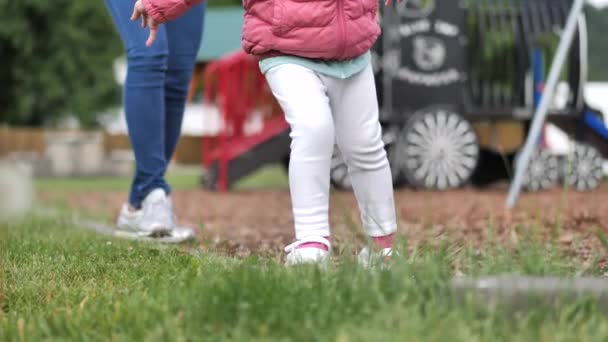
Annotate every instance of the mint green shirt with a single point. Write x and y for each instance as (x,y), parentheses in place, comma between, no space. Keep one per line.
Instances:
(337,69)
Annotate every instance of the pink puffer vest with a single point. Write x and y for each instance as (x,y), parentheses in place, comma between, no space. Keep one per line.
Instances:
(322,29)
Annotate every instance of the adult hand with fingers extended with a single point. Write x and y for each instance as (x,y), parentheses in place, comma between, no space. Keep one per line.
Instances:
(139,11)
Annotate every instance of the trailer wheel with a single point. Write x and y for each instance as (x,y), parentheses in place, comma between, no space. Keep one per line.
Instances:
(440,150)
(339,172)
(209,178)
(542,172)
(285,163)
(583,168)
(394,154)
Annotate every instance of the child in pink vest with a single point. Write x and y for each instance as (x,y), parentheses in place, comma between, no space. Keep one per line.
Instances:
(315,56)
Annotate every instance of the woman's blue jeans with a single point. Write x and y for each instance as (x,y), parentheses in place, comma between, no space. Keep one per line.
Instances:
(155,91)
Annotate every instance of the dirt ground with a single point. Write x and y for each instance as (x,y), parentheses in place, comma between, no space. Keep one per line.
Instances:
(254,221)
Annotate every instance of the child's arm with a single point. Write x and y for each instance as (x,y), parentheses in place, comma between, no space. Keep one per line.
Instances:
(155,12)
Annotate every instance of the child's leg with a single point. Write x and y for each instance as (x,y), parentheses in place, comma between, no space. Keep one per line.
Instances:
(303,97)
(359,136)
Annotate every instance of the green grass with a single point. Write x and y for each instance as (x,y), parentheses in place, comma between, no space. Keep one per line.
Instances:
(62,283)
(182,178)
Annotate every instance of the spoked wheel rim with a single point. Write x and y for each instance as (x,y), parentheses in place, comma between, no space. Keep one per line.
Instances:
(395,159)
(584,168)
(441,150)
(339,172)
(542,172)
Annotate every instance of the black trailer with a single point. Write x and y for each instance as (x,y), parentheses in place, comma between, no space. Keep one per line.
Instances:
(443,66)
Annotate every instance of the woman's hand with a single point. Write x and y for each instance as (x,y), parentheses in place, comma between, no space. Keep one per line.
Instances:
(139,10)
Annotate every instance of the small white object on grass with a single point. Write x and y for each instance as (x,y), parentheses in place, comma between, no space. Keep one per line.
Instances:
(16,190)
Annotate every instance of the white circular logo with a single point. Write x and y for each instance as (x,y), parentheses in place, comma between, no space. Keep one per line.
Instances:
(416,8)
(429,53)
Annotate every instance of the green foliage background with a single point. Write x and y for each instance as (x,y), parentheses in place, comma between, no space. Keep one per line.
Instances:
(56,58)
(597,22)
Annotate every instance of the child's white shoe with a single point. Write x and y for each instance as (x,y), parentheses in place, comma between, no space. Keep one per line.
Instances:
(310,250)
(369,259)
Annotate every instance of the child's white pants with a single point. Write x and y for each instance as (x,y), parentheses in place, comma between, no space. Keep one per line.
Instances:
(321,111)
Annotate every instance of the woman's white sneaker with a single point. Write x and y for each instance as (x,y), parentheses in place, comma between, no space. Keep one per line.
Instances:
(155,218)
(310,250)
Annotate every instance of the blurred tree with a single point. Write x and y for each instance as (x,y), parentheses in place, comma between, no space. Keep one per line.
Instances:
(57,59)
(597,21)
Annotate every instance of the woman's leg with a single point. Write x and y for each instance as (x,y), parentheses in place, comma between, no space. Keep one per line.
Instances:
(303,98)
(184,38)
(144,100)
(359,136)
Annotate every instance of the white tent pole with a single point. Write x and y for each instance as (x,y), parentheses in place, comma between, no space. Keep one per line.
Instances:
(548,92)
